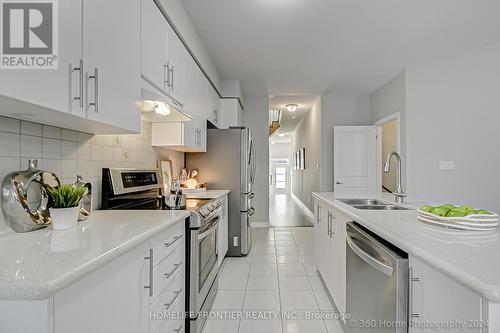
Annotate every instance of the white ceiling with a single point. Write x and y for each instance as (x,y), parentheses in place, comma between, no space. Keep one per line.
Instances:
(312,46)
(290,120)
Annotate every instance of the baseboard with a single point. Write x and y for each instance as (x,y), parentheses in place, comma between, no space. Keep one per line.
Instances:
(259,224)
(305,209)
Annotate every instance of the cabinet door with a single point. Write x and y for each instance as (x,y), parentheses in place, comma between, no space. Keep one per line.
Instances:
(111,299)
(154,44)
(111,36)
(53,88)
(337,266)
(435,298)
(178,58)
(318,233)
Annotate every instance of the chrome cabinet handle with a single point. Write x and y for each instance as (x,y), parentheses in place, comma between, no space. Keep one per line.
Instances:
(169,274)
(318,217)
(176,238)
(150,258)
(80,80)
(216,116)
(251,196)
(171,77)
(378,265)
(166,71)
(95,77)
(169,304)
(178,330)
(410,296)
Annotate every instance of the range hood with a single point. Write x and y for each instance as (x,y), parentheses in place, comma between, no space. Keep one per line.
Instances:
(159,108)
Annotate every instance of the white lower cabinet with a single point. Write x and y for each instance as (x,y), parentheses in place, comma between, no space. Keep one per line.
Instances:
(223,231)
(436,299)
(330,251)
(141,291)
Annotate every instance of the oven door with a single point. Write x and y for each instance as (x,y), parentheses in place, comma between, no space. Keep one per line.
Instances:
(204,267)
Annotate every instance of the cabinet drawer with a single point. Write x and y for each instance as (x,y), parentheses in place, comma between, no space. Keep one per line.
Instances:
(167,242)
(170,304)
(172,326)
(167,270)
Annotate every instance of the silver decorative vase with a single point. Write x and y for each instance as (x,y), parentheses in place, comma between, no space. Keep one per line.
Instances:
(86,204)
(25,199)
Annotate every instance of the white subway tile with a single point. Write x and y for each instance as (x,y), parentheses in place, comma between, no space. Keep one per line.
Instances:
(69,135)
(117,154)
(95,152)
(10,125)
(8,165)
(53,165)
(107,153)
(84,169)
(96,139)
(68,169)
(68,150)
(30,128)
(10,144)
(107,140)
(84,151)
(51,132)
(31,146)
(51,148)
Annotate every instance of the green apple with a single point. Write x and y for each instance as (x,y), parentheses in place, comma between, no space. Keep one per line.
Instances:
(427,208)
(484,212)
(440,211)
(448,206)
(456,213)
(469,209)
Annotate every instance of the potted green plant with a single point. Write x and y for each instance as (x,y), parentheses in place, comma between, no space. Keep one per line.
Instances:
(66,205)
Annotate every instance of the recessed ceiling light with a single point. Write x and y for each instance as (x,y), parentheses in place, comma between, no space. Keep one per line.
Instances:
(291,107)
(281,134)
(272,142)
(294,117)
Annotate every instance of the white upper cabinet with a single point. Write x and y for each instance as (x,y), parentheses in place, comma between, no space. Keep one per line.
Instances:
(56,89)
(112,61)
(96,88)
(230,113)
(154,45)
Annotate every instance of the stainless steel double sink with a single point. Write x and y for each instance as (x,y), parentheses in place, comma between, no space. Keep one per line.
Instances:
(371,204)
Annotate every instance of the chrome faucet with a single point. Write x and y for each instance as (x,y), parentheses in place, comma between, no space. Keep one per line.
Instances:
(398,193)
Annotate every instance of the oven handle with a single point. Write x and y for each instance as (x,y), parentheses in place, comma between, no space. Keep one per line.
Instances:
(378,265)
(211,228)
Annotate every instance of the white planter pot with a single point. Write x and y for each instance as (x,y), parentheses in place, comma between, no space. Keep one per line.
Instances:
(64,218)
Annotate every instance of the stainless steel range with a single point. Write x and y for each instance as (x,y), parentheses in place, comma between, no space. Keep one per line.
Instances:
(140,189)
(203,262)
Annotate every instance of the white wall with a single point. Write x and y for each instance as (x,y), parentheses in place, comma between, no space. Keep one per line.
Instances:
(453,112)
(387,100)
(68,153)
(176,12)
(338,110)
(281,150)
(308,135)
(256,117)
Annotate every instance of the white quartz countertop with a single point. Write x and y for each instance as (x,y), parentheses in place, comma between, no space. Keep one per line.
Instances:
(468,258)
(36,265)
(208,194)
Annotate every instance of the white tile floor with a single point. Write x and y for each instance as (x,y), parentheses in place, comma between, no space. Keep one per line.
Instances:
(277,279)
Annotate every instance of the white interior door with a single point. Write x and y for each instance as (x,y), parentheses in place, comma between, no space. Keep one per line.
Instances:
(355,160)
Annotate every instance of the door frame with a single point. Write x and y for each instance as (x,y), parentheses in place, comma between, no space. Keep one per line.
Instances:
(379,124)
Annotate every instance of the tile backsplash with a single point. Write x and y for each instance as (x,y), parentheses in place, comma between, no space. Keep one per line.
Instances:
(68,153)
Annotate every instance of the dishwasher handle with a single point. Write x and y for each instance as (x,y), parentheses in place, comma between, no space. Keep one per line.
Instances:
(377,264)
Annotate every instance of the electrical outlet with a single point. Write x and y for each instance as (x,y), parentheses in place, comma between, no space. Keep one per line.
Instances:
(125,156)
(446,165)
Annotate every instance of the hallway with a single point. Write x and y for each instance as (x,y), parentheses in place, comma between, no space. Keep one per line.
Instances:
(285,212)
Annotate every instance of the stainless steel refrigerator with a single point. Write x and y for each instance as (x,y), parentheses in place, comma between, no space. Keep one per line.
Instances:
(229,163)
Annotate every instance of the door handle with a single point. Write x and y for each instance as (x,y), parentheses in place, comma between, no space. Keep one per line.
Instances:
(318,217)
(176,238)
(80,82)
(169,274)
(169,304)
(378,265)
(166,72)
(95,77)
(410,296)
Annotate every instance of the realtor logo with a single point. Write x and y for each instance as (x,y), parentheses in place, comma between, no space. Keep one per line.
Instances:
(29,34)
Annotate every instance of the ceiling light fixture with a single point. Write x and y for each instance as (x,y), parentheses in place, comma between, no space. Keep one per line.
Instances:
(162,109)
(272,142)
(291,107)
(281,134)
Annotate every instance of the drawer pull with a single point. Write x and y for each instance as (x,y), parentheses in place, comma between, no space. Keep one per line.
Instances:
(169,304)
(178,330)
(169,274)
(176,238)
(150,286)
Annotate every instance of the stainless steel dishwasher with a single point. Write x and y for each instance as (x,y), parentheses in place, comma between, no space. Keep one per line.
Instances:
(377,283)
